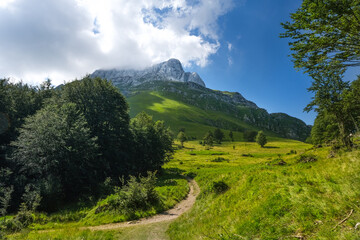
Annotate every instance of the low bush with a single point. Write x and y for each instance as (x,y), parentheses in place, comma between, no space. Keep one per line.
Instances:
(247,155)
(219,187)
(137,194)
(220,159)
(306,158)
(291,152)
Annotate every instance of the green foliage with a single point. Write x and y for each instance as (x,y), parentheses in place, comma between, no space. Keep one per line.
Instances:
(325,129)
(182,138)
(106,113)
(231,136)
(80,137)
(220,159)
(250,136)
(219,187)
(306,158)
(208,139)
(137,194)
(152,143)
(261,139)
(218,135)
(338,107)
(324,33)
(57,153)
(5,191)
(17,101)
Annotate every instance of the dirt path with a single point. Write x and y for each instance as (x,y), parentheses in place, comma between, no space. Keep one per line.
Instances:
(169,215)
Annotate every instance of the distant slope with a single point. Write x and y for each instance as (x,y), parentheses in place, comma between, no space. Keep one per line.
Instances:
(169,93)
(178,114)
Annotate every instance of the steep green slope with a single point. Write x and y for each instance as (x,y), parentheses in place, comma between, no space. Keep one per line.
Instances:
(177,115)
(186,105)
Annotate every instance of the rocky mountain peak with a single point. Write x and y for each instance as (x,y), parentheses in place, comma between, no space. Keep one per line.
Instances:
(170,70)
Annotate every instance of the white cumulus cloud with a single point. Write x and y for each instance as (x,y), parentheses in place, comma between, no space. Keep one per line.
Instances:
(65,39)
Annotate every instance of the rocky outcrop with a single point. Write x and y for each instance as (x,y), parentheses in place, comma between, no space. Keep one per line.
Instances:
(170,70)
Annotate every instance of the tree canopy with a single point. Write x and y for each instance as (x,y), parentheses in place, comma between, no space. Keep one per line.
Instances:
(71,139)
(56,152)
(325,42)
(218,135)
(182,138)
(324,33)
(261,139)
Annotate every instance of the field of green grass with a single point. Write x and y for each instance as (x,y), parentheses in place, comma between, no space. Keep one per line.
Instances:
(249,192)
(270,195)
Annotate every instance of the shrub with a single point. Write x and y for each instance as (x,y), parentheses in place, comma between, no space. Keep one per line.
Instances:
(291,152)
(137,194)
(306,158)
(219,159)
(219,187)
(250,136)
(247,155)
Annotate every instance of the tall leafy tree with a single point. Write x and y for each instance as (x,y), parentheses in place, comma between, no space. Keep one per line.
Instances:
(325,42)
(152,144)
(351,98)
(324,32)
(209,138)
(218,135)
(56,152)
(17,101)
(231,136)
(329,88)
(106,112)
(325,128)
(250,136)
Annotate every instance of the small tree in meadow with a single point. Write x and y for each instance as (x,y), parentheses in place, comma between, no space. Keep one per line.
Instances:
(182,138)
(261,139)
(209,139)
(218,135)
(250,136)
(231,136)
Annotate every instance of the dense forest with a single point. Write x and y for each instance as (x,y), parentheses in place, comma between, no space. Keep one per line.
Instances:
(59,145)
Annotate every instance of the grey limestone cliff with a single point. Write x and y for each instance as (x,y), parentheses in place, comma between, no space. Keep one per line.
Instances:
(170,70)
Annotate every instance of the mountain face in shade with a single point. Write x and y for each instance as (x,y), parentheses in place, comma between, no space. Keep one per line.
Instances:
(170,70)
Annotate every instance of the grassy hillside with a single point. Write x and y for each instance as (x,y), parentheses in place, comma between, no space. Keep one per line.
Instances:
(187,103)
(271,195)
(249,192)
(177,115)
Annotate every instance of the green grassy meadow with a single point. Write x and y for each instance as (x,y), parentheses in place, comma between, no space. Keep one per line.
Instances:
(270,195)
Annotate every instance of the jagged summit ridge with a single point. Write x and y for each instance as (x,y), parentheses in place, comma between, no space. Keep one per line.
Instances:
(170,70)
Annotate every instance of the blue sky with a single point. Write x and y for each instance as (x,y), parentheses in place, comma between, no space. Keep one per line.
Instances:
(233,44)
(261,69)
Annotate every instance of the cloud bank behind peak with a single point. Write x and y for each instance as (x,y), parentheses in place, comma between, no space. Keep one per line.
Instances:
(65,39)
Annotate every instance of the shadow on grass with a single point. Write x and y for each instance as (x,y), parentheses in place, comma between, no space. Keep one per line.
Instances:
(270,147)
(168,176)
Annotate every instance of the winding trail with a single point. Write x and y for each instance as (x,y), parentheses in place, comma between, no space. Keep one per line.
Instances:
(171,214)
